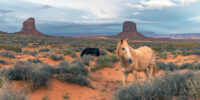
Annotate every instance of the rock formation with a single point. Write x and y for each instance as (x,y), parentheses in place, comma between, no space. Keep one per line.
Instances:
(29,28)
(130,31)
(3,32)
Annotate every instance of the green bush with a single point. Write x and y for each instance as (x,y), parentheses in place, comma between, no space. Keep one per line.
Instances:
(3,61)
(44,50)
(163,55)
(10,47)
(180,85)
(39,77)
(71,53)
(33,53)
(157,48)
(103,52)
(111,49)
(178,52)
(8,54)
(169,66)
(86,59)
(81,80)
(34,73)
(56,57)
(104,61)
(188,66)
(75,73)
(34,60)
(173,67)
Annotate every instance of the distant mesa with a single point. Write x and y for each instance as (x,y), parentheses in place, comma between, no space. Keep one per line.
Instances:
(29,28)
(2,32)
(130,31)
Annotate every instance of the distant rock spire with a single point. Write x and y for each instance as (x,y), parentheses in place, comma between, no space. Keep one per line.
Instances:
(29,28)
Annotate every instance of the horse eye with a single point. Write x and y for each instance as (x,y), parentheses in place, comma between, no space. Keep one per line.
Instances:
(122,48)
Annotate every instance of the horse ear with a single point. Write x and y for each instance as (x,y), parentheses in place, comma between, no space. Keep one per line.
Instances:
(127,40)
(121,41)
(117,51)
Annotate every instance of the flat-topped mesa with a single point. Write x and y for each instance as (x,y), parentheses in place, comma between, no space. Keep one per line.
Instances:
(130,31)
(29,28)
(129,26)
(3,32)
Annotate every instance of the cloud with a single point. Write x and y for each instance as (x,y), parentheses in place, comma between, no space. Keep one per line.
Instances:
(46,7)
(85,17)
(3,11)
(134,5)
(157,3)
(195,19)
(94,7)
(186,1)
(136,13)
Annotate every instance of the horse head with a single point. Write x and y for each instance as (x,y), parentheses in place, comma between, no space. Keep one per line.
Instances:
(123,51)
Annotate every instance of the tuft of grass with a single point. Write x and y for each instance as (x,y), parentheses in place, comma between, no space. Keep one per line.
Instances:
(103,90)
(6,92)
(45,97)
(66,96)
(104,61)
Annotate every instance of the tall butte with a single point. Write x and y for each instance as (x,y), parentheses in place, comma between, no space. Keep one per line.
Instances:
(29,28)
(130,31)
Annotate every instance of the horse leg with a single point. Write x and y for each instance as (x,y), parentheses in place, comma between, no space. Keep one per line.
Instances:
(124,78)
(135,75)
(147,73)
(151,71)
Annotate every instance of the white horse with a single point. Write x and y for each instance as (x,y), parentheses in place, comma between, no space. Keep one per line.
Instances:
(135,60)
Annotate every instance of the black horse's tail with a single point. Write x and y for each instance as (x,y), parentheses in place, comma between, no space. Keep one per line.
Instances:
(98,52)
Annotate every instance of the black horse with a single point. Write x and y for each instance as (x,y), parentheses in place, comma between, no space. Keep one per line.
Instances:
(93,51)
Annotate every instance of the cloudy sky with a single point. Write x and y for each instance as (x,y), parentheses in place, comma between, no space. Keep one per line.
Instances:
(101,16)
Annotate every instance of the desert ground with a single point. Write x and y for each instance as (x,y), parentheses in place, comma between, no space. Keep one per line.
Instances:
(50,68)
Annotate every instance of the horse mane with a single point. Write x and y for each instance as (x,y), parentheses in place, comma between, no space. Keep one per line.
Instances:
(117,52)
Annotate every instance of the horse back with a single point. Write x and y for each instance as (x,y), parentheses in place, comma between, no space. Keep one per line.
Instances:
(90,51)
(146,50)
(145,54)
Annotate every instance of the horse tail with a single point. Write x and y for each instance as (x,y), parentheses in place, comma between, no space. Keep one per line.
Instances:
(154,69)
(154,65)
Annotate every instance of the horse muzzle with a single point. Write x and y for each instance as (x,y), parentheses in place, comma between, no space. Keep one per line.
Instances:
(129,61)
